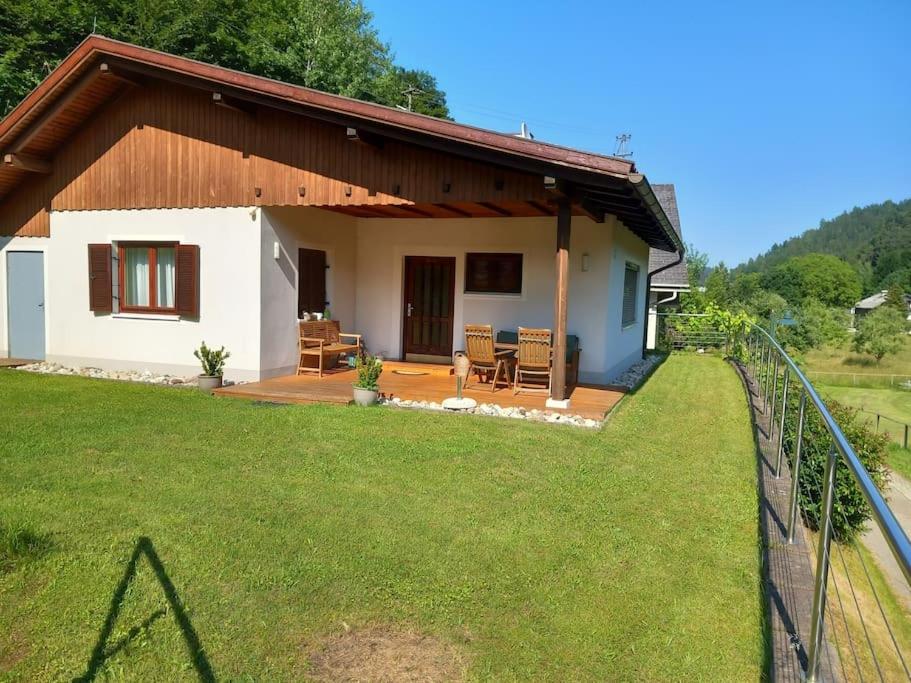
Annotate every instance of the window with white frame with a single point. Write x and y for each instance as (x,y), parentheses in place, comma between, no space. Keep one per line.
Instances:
(630,294)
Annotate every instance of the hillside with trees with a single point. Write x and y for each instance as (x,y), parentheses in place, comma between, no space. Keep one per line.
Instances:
(874,240)
(330,45)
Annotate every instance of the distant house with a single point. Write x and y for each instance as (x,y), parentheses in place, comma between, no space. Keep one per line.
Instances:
(874,301)
(148,202)
(668,274)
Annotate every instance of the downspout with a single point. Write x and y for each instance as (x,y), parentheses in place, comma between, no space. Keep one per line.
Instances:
(648,288)
(673,296)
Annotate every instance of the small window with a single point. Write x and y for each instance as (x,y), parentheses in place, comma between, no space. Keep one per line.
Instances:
(630,293)
(147,281)
(493,273)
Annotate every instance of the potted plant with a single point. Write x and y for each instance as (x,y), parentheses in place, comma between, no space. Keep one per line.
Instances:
(213,366)
(366,388)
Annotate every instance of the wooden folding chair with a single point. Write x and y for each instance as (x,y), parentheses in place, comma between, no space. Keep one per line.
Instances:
(483,357)
(533,361)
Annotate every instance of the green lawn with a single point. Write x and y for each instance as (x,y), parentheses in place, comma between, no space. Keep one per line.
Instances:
(891,403)
(843,367)
(526,551)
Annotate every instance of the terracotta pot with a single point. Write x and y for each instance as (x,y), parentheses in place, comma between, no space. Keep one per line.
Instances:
(365,397)
(209,382)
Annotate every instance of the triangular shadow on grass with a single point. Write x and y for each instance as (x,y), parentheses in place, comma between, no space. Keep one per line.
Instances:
(102,652)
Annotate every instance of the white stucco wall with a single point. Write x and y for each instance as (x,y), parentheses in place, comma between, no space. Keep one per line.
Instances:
(248,299)
(302,228)
(229,243)
(595,296)
(624,344)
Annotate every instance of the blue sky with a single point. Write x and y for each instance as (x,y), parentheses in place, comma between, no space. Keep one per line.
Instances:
(767,117)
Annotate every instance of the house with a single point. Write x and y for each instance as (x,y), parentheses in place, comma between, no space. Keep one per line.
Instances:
(864,306)
(668,275)
(149,202)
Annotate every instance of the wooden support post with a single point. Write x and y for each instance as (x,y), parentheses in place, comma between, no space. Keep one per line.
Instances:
(561,300)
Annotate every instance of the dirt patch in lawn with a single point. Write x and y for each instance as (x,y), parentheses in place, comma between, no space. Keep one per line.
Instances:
(13,649)
(375,654)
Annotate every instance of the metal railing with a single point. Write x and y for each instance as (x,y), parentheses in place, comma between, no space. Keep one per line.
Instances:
(779,380)
(766,360)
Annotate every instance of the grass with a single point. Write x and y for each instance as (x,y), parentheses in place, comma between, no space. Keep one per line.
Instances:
(862,370)
(539,552)
(20,543)
(894,404)
(858,631)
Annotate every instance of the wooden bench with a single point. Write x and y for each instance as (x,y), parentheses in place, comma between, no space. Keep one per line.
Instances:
(322,340)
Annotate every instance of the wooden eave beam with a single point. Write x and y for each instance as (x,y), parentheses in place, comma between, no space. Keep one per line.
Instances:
(364,137)
(456,210)
(490,206)
(27,162)
(596,213)
(228,102)
(116,74)
(415,210)
(65,100)
(540,208)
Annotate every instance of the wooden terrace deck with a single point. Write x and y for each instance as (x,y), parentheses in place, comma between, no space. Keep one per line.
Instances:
(431,383)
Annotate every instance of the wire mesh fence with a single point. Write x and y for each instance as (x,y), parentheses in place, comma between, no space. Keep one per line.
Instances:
(869,380)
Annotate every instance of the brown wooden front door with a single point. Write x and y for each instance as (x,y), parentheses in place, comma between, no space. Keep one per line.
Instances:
(428,305)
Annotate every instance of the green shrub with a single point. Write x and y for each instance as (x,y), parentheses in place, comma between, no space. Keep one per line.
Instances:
(20,543)
(850,509)
(817,326)
(212,361)
(369,368)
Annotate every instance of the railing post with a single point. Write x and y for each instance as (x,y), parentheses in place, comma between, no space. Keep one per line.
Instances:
(906,436)
(822,569)
(784,412)
(794,503)
(774,397)
(765,377)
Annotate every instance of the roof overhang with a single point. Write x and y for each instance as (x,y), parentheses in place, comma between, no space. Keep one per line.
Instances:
(600,184)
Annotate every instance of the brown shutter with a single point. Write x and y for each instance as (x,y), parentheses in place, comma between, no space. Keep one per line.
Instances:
(311,281)
(187,296)
(100,284)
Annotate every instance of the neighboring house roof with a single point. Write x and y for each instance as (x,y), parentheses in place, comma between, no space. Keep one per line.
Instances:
(676,276)
(877,300)
(96,71)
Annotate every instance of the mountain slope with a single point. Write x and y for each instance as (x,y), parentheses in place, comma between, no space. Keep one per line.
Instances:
(875,239)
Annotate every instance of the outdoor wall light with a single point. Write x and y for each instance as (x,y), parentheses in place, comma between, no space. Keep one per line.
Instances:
(276,251)
(584,263)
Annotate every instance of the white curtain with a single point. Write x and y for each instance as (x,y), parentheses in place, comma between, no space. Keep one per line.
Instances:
(166,269)
(136,272)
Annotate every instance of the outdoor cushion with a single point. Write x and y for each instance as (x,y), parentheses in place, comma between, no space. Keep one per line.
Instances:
(510,337)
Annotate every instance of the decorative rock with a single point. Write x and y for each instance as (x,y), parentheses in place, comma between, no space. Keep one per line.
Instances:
(144,376)
(634,376)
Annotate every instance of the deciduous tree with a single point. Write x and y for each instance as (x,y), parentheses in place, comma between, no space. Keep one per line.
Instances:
(330,45)
(881,332)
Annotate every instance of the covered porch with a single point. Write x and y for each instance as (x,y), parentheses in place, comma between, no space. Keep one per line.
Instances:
(419,382)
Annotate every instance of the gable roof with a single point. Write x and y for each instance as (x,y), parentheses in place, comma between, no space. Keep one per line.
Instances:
(877,300)
(95,72)
(676,276)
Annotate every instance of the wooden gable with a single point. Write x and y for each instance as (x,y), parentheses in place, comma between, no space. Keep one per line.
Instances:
(169,146)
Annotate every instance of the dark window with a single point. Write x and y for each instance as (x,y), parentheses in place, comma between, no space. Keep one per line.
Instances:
(630,293)
(493,273)
(311,281)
